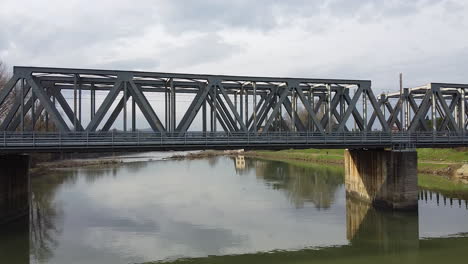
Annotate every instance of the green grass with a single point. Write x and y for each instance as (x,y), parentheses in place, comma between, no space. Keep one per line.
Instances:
(426,181)
(438,183)
(428,166)
(308,154)
(424,155)
(445,155)
(305,164)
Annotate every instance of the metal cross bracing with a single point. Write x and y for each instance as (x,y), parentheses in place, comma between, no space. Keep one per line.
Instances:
(432,107)
(235,103)
(78,102)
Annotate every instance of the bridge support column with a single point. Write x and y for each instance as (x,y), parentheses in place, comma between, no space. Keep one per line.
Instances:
(384,178)
(14,187)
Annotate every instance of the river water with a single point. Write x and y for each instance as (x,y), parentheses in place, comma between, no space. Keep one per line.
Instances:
(226,210)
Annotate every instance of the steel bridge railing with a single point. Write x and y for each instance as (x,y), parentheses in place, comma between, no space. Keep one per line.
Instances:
(64,140)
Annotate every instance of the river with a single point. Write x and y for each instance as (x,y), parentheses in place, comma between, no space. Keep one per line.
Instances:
(225,210)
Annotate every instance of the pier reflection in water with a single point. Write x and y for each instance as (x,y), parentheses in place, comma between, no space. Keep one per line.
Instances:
(234,209)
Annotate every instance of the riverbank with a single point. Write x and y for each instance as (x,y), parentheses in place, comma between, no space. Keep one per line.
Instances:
(447,164)
(444,162)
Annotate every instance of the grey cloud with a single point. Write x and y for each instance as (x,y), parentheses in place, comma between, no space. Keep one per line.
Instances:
(208,15)
(204,49)
(372,10)
(130,64)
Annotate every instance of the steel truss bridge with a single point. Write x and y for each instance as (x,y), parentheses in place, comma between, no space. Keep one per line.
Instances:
(58,109)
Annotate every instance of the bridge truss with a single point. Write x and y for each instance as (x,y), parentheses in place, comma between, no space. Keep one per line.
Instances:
(88,101)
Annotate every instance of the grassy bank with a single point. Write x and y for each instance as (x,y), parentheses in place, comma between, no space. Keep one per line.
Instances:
(333,158)
(430,161)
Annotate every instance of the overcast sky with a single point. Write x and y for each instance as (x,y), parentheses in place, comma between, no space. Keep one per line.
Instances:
(427,40)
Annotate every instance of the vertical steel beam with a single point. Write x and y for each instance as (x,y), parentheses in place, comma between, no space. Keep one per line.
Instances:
(166,106)
(125,98)
(133,114)
(254,107)
(294,110)
(46,115)
(75,87)
(204,115)
(433,100)
(246,95)
(328,108)
(241,103)
(33,111)
(22,104)
(212,109)
(462,109)
(407,107)
(79,100)
(173,106)
(93,101)
(364,110)
(215,105)
(235,102)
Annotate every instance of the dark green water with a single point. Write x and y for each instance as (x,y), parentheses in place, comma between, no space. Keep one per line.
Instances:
(209,211)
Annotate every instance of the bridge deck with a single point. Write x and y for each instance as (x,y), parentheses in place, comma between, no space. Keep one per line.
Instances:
(145,141)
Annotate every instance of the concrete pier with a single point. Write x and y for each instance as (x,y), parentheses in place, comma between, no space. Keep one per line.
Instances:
(14,187)
(384,178)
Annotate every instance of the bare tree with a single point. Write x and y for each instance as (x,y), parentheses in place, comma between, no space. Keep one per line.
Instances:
(4,77)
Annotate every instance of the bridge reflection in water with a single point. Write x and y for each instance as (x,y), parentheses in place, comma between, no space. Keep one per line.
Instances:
(372,235)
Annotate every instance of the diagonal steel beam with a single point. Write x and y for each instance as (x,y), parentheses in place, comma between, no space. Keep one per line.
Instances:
(17,120)
(297,121)
(224,110)
(422,111)
(415,108)
(145,107)
(258,109)
(7,88)
(376,107)
(318,104)
(282,98)
(334,103)
(221,117)
(66,108)
(110,121)
(351,108)
(48,105)
(309,109)
(106,104)
(268,105)
(452,106)
(191,109)
(233,109)
(194,108)
(390,109)
(13,110)
(445,108)
(380,102)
